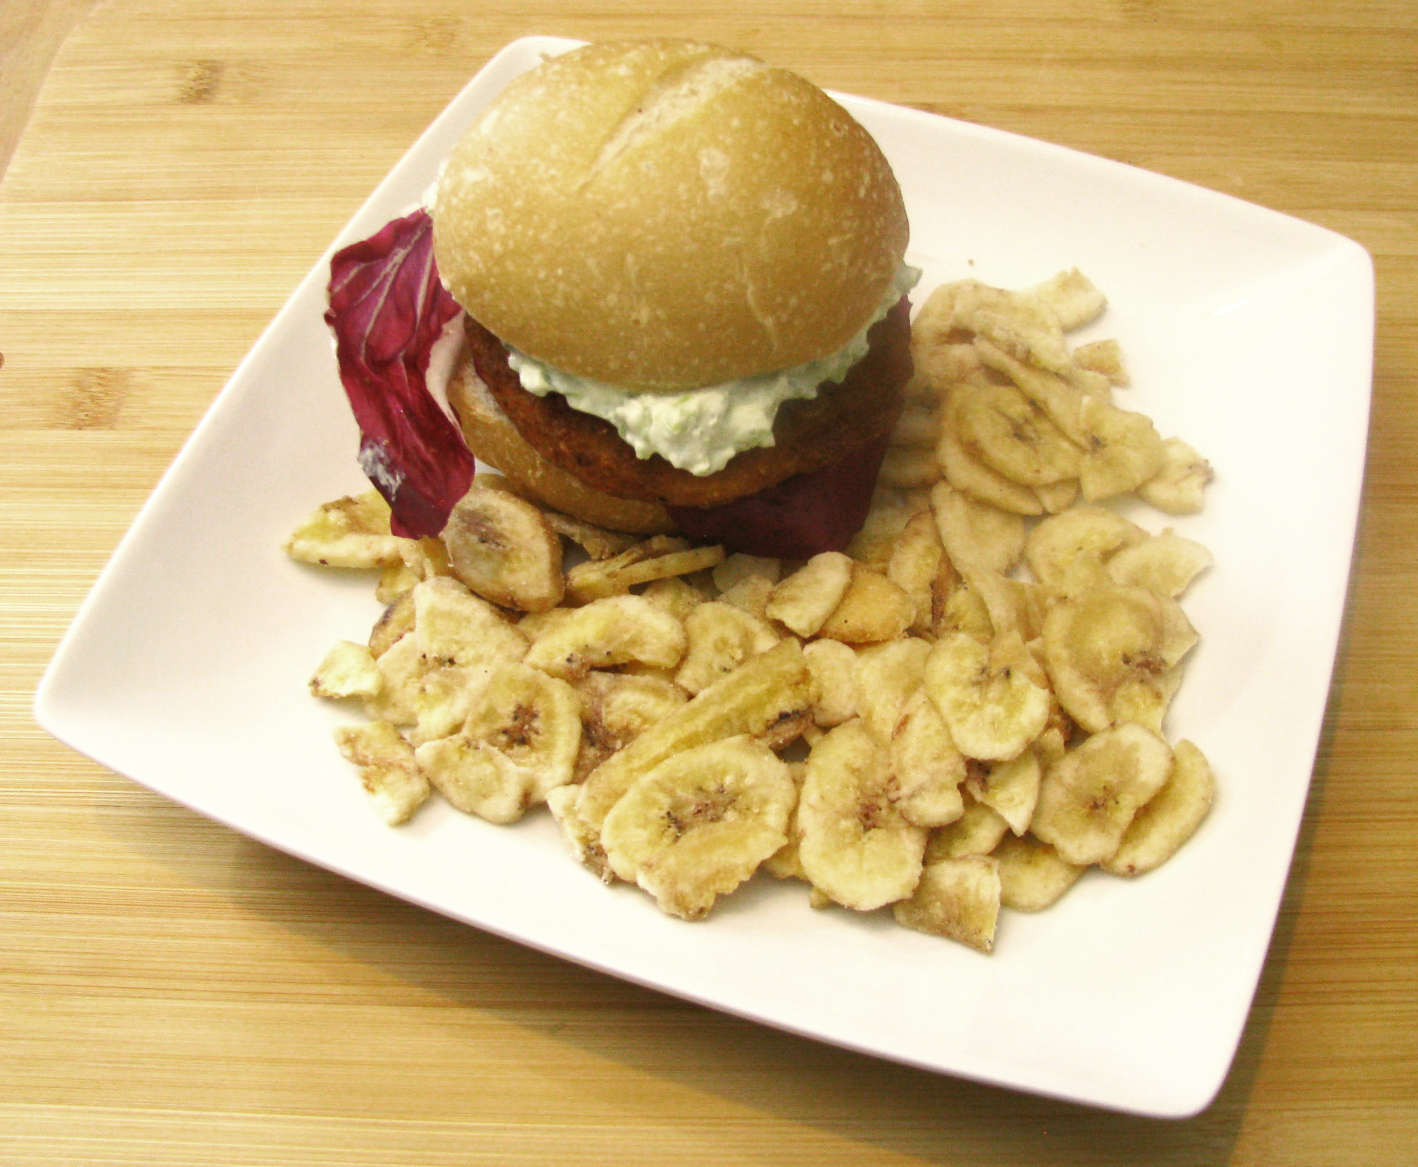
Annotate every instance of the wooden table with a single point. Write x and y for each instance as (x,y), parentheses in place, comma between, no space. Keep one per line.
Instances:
(171,992)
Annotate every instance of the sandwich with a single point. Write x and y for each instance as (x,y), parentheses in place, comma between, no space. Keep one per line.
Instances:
(678,273)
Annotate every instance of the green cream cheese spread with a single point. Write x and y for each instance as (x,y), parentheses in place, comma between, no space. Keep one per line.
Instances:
(701,429)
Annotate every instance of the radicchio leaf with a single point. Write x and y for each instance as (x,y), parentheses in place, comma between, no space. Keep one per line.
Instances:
(387,309)
(817,511)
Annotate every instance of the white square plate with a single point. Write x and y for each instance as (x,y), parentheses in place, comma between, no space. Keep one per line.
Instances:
(1248,333)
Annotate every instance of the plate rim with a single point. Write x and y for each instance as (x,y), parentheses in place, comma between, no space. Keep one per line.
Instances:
(49,703)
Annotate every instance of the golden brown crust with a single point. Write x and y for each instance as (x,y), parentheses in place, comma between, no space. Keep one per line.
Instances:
(808,435)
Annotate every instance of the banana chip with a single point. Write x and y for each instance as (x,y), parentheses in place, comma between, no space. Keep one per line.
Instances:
(855,845)
(720,637)
(1013,435)
(609,632)
(1170,817)
(805,600)
(1069,552)
(700,823)
(504,549)
(958,899)
(1165,563)
(1032,875)
(348,670)
(925,765)
(387,768)
(1113,654)
(1179,487)
(659,557)
(532,718)
(771,688)
(1088,799)
(987,695)
(350,532)
(873,609)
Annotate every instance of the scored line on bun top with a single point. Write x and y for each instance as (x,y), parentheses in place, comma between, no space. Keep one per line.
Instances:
(677,94)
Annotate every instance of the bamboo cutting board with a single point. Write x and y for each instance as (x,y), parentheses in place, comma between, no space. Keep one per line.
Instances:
(171,992)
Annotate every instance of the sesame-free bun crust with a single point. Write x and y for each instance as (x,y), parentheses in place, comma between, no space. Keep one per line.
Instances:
(666,214)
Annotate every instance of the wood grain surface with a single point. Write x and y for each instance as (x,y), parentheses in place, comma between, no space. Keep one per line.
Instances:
(173,993)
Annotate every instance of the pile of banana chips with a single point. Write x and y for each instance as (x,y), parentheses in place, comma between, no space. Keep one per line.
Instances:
(962,713)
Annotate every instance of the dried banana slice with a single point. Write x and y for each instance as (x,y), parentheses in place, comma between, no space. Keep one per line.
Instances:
(972,476)
(976,533)
(1010,789)
(962,609)
(350,532)
(757,698)
(926,767)
(444,699)
(700,823)
(855,846)
(747,581)
(606,633)
(348,670)
(832,666)
(872,610)
(1032,875)
(1170,817)
(887,675)
(740,566)
(1113,653)
(720,637)
(532,718)
(597,542)
(422,559)
(1166,563)
(456,627)
(805,600)
(976,832)
(659,557)
(1074,299)
(616,708)
(582,839)
(987,695)
(387,767)
(1011,434)
(1011,605)
(504,549)
(1104,357)
(476,778)
(1088,799)
(1121,450)
(1069,552)
(1056,393)
(676,595)
(915,566)
(1020,323)
(890,510)
(956,898)
(402,668)
(1180,485)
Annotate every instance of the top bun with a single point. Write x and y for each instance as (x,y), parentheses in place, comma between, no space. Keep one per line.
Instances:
(666,214)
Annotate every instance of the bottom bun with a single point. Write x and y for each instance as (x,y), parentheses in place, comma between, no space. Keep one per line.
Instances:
(494,440)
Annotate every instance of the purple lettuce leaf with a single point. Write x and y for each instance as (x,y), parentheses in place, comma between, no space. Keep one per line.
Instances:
(387,309)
